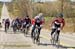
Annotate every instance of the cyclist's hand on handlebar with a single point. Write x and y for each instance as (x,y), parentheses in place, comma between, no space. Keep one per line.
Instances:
(41,25)
(61,28)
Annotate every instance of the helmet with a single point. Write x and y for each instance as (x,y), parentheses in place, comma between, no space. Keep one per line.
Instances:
(27,16)
(40,14)
(60,15)
(7,19)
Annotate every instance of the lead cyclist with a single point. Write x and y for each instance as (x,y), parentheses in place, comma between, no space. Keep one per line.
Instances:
(57,25)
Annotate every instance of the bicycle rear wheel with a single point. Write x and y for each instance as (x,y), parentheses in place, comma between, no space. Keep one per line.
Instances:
(6,28)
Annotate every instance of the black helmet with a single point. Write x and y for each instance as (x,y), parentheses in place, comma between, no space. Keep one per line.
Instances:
(60,15)
(27,16)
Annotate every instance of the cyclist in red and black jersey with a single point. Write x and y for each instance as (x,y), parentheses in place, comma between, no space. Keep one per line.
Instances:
(58,24)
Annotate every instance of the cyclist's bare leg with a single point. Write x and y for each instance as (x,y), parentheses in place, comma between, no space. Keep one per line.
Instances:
(53,30)
(32,32)
(58,32)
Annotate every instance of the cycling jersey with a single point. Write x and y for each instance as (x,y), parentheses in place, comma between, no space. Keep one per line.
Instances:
(37,22)
(57,22)
(27,21)
(7,22)
(33,21)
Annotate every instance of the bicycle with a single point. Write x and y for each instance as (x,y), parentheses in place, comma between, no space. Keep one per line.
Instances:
(14,26)
(6,27)
(14,29)
(36,38)
(25,30)
(54,40)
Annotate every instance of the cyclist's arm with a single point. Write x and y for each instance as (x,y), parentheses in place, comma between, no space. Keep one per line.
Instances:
(53,22)
(30,21)
(63,24)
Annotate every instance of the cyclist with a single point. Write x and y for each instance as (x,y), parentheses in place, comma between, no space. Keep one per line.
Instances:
(26,22)
(38,20)
(7,23)
(16,24)
(58,25)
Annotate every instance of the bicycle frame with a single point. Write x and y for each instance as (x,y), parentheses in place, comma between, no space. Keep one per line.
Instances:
(25,31)
(6,28)
(54,38)
(36,34)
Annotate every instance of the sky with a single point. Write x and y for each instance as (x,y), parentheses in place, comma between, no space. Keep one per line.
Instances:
(6,0)
(44,0)
(41,0)
(73,0)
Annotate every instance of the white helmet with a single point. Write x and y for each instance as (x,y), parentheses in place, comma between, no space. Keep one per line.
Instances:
(40,14)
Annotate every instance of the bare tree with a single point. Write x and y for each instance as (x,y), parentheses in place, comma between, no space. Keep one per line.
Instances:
(21,8)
